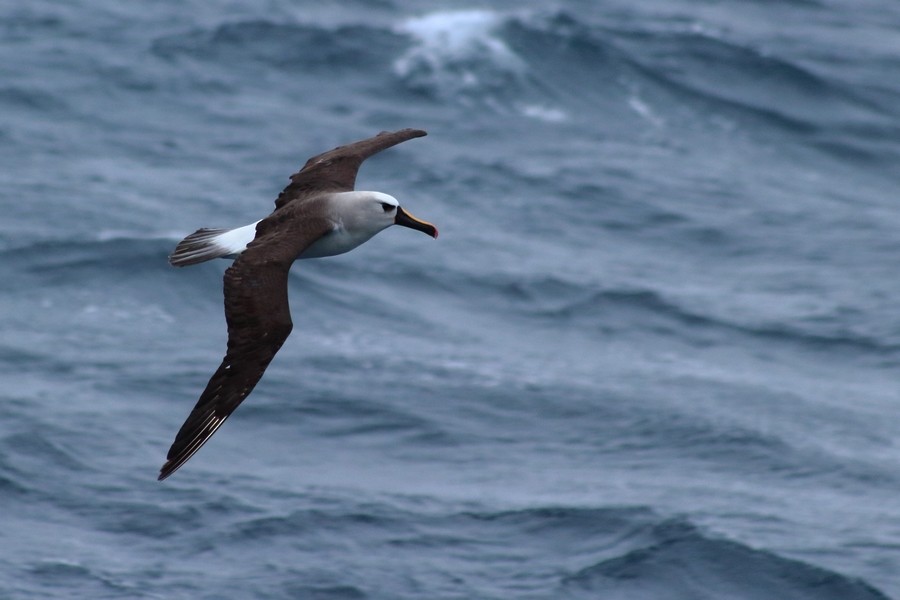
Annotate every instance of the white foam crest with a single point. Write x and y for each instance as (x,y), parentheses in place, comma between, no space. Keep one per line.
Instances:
(547,114)
(637,104)
(455,33)
(456,51)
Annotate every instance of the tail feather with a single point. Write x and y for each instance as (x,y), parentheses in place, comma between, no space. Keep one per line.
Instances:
(200,246)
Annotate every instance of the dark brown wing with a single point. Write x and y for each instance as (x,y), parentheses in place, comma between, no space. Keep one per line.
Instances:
(259,321)
(335,170)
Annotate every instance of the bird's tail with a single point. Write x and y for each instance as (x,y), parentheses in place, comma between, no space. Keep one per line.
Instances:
(207,244)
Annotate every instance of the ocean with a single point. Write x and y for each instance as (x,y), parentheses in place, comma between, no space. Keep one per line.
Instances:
(654,354)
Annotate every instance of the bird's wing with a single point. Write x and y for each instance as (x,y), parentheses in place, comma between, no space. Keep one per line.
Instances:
(259,321)
(335,170)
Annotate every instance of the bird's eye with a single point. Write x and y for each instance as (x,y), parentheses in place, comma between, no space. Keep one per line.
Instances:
(387,207)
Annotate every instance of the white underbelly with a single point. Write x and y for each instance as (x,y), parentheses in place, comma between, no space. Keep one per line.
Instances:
(336,242)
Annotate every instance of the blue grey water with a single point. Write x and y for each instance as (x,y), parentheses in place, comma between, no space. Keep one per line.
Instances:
(654,354)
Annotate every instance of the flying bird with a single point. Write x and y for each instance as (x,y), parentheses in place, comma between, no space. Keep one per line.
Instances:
(318,214)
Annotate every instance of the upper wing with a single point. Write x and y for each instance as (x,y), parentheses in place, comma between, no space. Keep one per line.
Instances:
(335,170)
(259,321)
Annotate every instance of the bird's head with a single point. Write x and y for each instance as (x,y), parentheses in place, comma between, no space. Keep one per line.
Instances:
(382,210)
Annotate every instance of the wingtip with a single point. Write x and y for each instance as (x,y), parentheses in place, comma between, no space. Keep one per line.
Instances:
(409,132)
(166,470)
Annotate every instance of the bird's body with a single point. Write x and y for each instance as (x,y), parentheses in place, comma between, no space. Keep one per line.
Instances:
(318,214)
(348,231)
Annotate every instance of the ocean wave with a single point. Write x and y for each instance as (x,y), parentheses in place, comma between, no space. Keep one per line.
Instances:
(447,56)
(284,46)
(40,447)
(72,575)
(507,62)
(574,524)
(561,301)
(684,563)
(616,552)
(331,413)
(556,300)
(456,53)
(543,65)
(325,592)
(549,65)
(33,99)
(61,261)
(13,481)
(756,89)
(139,519)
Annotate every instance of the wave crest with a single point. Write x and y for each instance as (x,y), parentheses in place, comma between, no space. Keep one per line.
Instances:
(457,53)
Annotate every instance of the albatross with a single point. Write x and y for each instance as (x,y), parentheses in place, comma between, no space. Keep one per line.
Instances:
(318,214)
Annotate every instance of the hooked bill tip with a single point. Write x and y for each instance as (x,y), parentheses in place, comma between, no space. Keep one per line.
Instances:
(407,220)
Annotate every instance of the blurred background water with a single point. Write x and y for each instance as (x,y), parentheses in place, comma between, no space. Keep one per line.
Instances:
(654,353)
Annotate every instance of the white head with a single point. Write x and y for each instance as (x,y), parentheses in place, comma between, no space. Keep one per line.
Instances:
(367,213)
